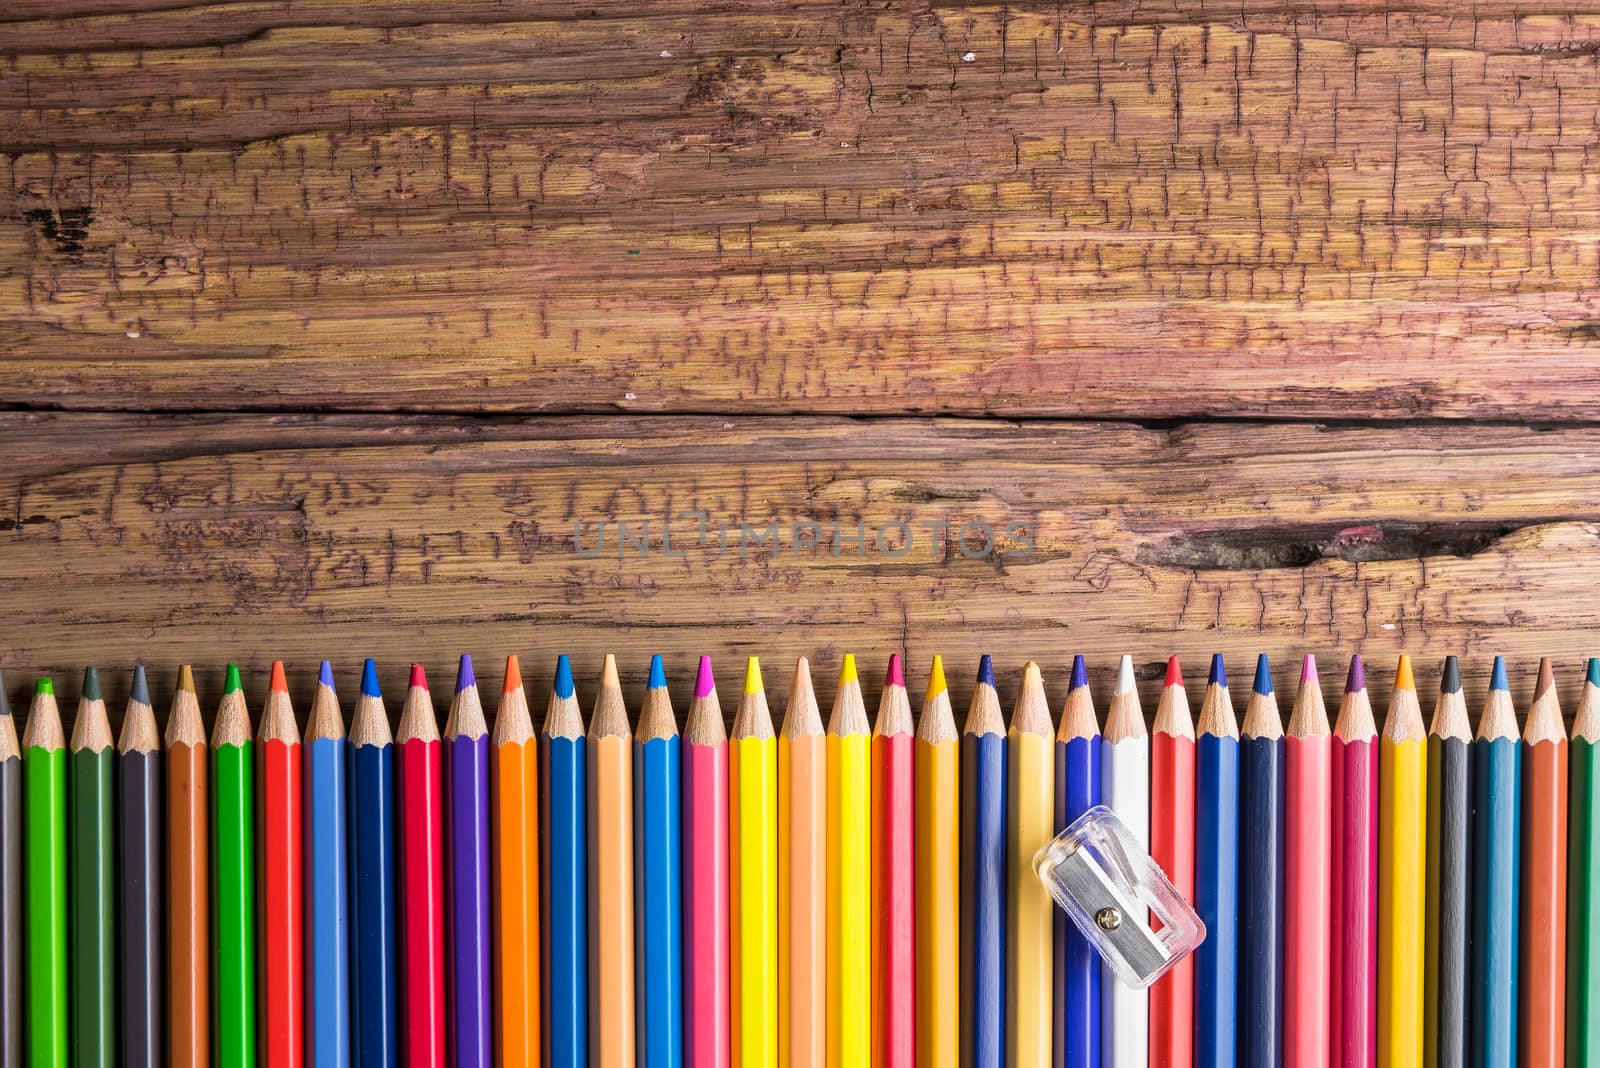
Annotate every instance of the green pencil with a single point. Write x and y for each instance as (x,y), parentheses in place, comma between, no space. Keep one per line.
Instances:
(233,850)
(44,785)
(94,900)
(1583,878)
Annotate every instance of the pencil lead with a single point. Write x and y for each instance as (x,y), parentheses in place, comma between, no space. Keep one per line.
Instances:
(1497,679)
(232,683)
(1547,679)
(1080,673)
(278,684)
(1403,679)
(325,675)
(936,684)
(986,670)
(1357,678)
(369,679)
(658,673)
(1174,672)
(464,675)
(1451,680)
(186,679)
(896,675)
(419,678)
(513,680)
(847,671)
(704,681)
(91,684)
(44,686)
(5,703)
(1594,671)
(1263,683)
(752,676)
(1219,671)
(608,673)
(563,685)
(1125,675)
(1308,670)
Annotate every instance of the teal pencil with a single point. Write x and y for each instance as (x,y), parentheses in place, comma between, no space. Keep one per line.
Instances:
(1496,864)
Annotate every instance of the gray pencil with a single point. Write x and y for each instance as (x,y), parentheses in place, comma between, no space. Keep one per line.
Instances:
(139,785)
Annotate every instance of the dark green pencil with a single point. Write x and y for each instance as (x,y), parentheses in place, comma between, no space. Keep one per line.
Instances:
(92,887)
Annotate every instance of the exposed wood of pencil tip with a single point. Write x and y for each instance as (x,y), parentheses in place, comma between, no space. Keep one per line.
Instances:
(1078,719)
(1216,713)
(1031,714)
(418,722)
(1173,717)
(1544,715)
(1309,717)
(277,720)
(563,718)
(983,713)
(43,730)
(894,713)
(752,719)
(610,717)
(326,721)
(1586,723)
(656,718)
(938,721)
(1403,723)
(1499,718)
(1261,717)
(466,718)
(1356,723)
(1125,717)
(849,715)
(513,720)
(370,723)
(184,725)
(703,725)
(232,725)
(8,737)
(1450,718)
(91,727)
(802,718)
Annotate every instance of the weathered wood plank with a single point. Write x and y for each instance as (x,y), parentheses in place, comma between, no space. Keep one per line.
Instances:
(1343,210)
(253,537)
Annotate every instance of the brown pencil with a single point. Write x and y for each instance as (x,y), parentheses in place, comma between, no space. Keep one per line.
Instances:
(188,881)
(1544,878)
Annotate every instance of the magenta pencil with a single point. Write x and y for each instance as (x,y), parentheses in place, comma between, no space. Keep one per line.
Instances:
(1354,1003)
(706,1038)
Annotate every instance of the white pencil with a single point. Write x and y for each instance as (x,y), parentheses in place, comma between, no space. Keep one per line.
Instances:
(1125,789)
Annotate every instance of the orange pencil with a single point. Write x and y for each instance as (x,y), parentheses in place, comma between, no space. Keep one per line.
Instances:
(1544,879)
(515,783)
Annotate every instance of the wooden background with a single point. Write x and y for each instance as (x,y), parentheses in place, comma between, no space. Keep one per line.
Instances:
(322,323)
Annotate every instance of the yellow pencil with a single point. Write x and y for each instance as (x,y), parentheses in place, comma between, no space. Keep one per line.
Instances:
(753,871)
(849,762)
(1030,812)
(1402,862)
(938,862)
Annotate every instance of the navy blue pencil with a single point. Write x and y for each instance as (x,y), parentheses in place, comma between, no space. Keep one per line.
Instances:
(373,887)
(1261,827)
(1216,874)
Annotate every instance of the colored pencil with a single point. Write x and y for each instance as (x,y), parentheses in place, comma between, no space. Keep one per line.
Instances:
(1172,846)
(469,986)
(1583,872)
(705,857)
(1354,1005)
(1402,865)
(937,777)
(894,937)
(1216,873)
(515,805)
(233,854)
(611,887)
(188,880)
(374,882)
(1444,1038)
(1496,884)
(420,789)
(327,908)
(1076,981)
(1308,875)
(91,880)
(143,974)
(10,888)
(1030,913)
(802,881)
(1543,985)
(44,783)
(753,864)
(1125,785)
(283,999)
(1261,826)
(983,877)
(849,868)
(658,871)
(564,859)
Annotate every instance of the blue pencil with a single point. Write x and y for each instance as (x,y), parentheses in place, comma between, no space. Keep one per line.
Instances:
(327,914)
(1077,965)
(658,864)
(1261,826)
(563,811)
(1216,874)
(983,876)
(1496,870)
(373,888)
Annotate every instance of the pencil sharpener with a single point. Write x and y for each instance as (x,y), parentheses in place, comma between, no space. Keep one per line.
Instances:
(1119,898)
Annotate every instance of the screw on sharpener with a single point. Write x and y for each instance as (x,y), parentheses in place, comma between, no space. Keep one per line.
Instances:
(1119,898)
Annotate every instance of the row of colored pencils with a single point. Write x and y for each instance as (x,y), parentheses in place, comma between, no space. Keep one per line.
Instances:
(855,893)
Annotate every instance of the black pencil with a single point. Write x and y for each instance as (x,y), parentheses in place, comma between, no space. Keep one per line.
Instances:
(140,860)
(10,888)
(1449,814)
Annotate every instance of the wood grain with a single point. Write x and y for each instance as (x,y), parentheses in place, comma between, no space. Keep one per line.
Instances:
(1353,210)
(254,537)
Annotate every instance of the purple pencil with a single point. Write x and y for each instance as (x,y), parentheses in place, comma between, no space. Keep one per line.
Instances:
(468,993)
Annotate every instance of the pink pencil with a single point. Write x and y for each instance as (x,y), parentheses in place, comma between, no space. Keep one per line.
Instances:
(1308,902)
(705,864)
(1355,878)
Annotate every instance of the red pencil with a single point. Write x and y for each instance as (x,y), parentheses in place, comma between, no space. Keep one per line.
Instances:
(1172,847)
(421,877)
(1308,864)
(894,978)
(282,978)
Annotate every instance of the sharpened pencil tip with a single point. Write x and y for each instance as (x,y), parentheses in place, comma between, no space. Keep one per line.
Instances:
(1497,678)
(658,673)
(1450,681)
(1403,679)
(896,675)
(936,684)
(91,684)
(1357,678)
(847,671)
(1080,673)
(752,675)
(325,675)
(369,679)
(513,680)
(986,670)
(1125,675)
(419,678)
(608,672)
(278,684)
(1547,677)
(563,685)
(1308,670)
(231,683)
(1219,671)
(186,678)
(1594,671)
(1263,682)
(44,686)
(1174,672)
(705,681)
(464,675)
